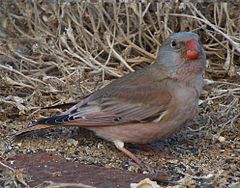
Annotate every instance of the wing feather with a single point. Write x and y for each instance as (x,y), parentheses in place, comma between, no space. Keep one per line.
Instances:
(138,97)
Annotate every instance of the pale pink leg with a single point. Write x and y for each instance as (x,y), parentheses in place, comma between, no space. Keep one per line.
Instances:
(161,176)
(120,145)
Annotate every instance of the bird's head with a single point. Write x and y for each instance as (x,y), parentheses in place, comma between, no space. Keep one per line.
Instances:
(182,55)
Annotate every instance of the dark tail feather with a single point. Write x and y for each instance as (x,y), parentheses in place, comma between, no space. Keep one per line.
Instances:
(52,120)
(43,124)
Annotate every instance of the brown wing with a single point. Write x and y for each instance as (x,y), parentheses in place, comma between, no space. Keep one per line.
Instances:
(146,106)
(116,110)
(137,97)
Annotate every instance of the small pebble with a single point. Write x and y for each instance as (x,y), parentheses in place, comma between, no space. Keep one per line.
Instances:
(210,176)
(173,161)
(50,150)
(72,142)
(145,172)
(221,139)
(146,183)
(19,144)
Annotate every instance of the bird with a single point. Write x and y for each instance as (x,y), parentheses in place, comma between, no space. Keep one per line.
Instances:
(143,106)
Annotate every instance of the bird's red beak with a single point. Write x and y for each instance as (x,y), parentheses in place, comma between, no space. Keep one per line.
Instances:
(192,49)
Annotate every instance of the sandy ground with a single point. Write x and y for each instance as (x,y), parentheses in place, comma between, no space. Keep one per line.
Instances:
(204,153)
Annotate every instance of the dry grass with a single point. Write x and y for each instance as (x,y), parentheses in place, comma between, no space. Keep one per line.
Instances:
(63,50)
(54,53)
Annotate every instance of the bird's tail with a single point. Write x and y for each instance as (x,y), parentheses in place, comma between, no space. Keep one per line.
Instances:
(44,123)
(48,122)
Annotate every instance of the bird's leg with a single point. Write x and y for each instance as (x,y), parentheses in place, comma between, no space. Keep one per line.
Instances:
(156,175)
(120,146)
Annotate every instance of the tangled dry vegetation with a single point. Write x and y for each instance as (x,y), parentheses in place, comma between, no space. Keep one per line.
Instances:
(53,53)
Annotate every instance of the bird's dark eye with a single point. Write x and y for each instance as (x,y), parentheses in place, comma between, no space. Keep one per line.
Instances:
(173,44)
